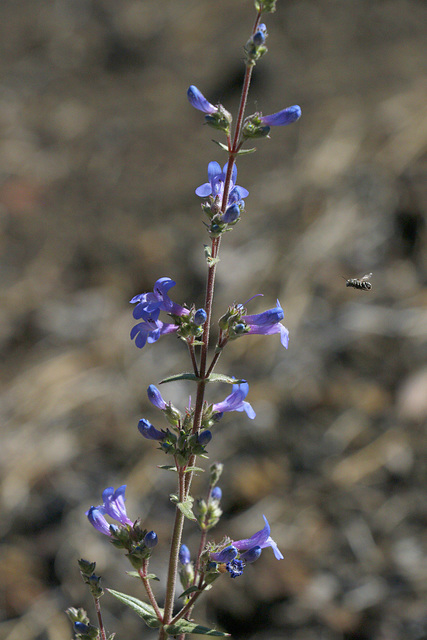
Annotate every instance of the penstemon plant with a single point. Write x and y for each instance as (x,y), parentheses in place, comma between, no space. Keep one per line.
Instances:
(189,430)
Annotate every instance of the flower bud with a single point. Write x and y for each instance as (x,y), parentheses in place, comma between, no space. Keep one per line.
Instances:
(240,329)
(184,555)
(283,117)
(204,438)
(198,101)
(260,36)
(149,431)
(216,494)
(155,397)
(226,555)
(200,317)
(86,568)
(232,214)
(150,539)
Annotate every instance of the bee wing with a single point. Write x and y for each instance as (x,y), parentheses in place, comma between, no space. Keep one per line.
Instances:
(366,277)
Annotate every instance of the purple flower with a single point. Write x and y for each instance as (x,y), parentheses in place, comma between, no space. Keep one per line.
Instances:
(150,331)
(236,401)
(96,518)
(267,323)
(184,555)
(235,568)
(198,101)
(150,432)
(113,506)
(226,555)
(285,116)
(149,305)
(155,397)
(215,186)
(260,35)
(260,539)
(251,555)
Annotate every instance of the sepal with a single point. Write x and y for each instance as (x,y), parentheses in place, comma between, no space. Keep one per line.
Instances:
(220,120)
(265,6)
(215,472)
(255,47)
(87,572)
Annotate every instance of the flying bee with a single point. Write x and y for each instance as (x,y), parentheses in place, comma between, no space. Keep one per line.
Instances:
(360,283)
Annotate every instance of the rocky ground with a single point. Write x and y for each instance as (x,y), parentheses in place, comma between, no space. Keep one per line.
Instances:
(100,154)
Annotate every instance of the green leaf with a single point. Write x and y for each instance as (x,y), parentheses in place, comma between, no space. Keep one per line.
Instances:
(188,591)
(244,152)
(135,574)
(180,376)
(221,377)
(184,626)
(144,610)
(185,507)
(167,467)
(241,152)
(222,145)
(150,576)
(194,469)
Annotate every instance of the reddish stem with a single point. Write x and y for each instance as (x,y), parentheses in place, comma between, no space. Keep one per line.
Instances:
(143,575)
(101,624)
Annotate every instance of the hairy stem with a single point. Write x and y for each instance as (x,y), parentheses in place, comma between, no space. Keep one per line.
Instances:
(143,574)
(100,622)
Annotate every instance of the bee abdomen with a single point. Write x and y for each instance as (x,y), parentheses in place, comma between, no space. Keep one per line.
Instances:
(358,284)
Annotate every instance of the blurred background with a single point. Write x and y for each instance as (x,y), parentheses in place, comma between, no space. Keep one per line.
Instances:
(100,154)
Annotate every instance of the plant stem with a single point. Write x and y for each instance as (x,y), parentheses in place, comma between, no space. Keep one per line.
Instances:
(185,483)
(190,604)
(143,575)
(193,359)
(101,624)
(173,557)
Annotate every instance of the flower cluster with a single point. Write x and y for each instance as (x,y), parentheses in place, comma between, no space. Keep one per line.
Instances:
(217,117)
(181,442)
(238,553)
(236,323)
(148,307)
(113,505)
